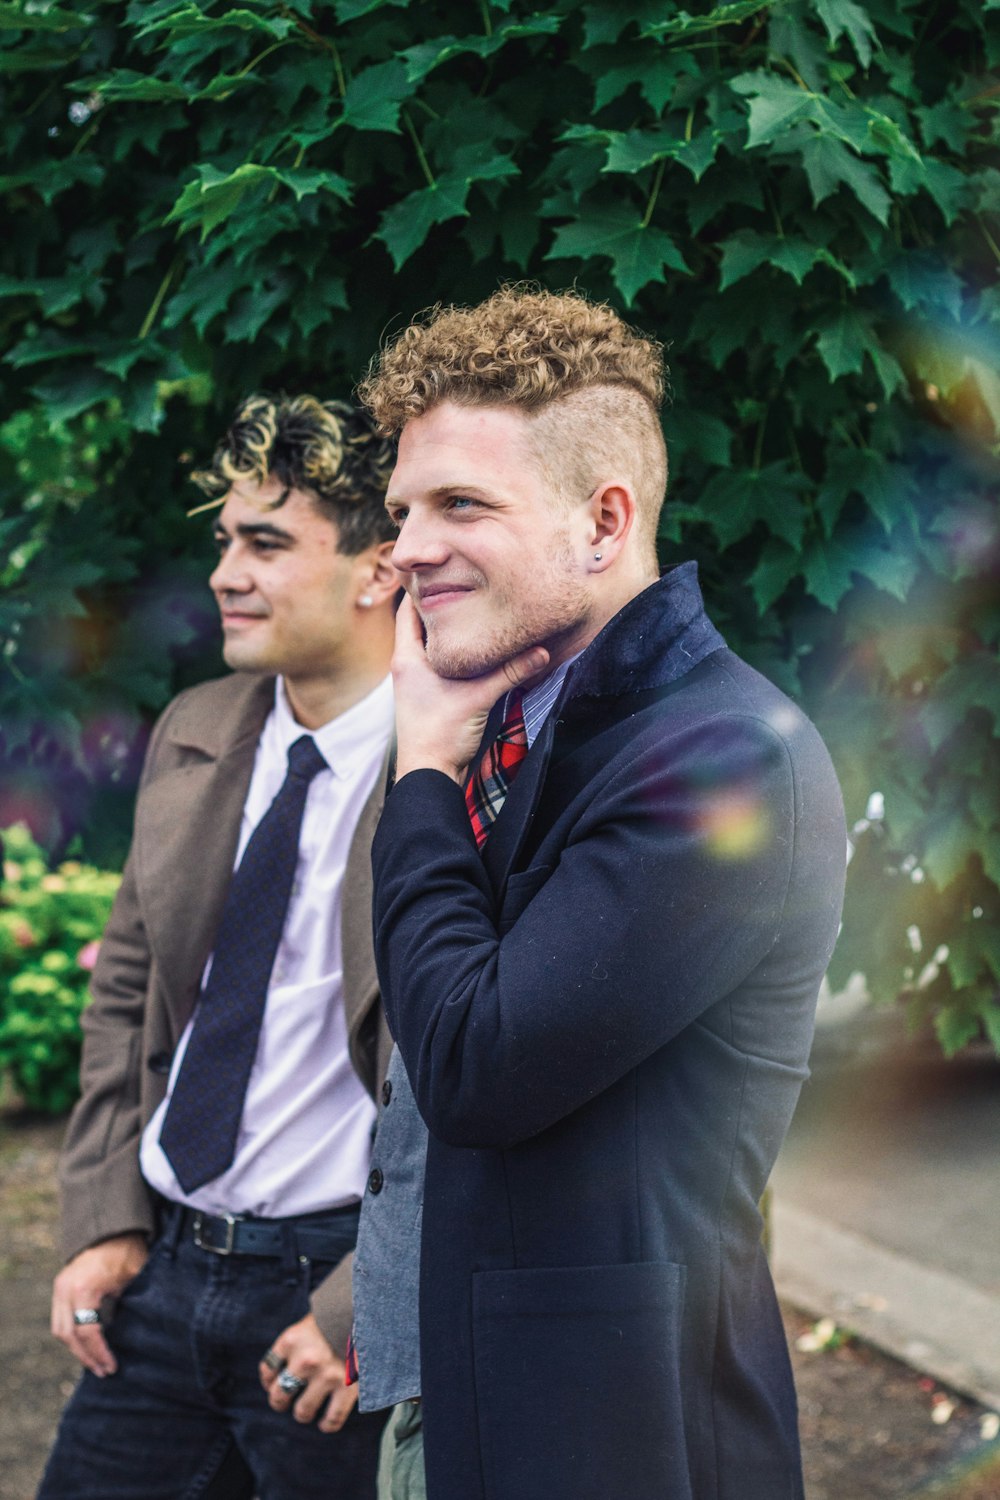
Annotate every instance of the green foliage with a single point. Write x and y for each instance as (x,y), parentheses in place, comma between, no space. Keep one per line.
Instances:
(50,923)
(800,197)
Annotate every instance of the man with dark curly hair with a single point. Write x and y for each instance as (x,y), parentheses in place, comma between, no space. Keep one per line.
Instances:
(234,1044)
(607,883)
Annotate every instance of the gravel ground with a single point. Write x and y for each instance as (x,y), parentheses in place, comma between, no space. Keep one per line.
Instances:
(868,1431)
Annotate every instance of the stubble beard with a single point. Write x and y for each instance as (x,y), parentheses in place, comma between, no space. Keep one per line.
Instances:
(553,614)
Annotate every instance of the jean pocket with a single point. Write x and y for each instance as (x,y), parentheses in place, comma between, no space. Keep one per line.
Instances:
(578,1382)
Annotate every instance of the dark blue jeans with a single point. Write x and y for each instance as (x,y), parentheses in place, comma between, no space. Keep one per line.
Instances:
(185,1415)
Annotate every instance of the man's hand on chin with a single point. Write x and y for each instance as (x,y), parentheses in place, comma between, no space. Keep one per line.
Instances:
(440,720)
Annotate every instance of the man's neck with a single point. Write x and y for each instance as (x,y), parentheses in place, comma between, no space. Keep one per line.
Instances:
(315,701)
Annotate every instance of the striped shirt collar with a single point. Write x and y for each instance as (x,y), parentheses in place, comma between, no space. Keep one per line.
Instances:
(538,700)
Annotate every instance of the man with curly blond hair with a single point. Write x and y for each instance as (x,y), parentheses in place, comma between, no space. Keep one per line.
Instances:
(214,1165)
(607,882)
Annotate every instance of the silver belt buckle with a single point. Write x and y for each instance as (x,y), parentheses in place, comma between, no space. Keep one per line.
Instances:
(230,1221)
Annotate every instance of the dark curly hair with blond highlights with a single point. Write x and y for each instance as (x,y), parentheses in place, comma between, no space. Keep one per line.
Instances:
(330,449)
(522,347)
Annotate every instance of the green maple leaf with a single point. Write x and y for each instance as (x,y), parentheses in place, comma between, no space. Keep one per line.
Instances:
(639,253)
(827,566)
(214,196)
(735,501)
(746,251)
(423,58)
(605,22)
(684,25)
(920,278)
(956,1027)
(633,151)
(842,17)
(189,19)
(829,164)
(777,566)
(775,106)
(843,341)
(374,97)
(405,226)
(16,18)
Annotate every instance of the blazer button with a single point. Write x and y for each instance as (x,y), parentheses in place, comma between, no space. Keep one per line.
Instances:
(386,1092)
(158,1062)
(375,1180)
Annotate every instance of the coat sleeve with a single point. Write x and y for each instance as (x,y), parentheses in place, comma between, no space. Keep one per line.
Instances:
(332,1307)
(666,892)
(102,1191)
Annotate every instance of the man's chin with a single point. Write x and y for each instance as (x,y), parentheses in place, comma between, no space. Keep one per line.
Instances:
(238,657)
(459,663)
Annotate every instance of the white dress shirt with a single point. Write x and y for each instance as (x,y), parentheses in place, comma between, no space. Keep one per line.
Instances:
(305,1135)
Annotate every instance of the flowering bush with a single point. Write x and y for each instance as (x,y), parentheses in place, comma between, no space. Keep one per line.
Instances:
(50,927)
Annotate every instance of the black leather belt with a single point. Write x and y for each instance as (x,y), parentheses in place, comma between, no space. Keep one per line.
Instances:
(231,1234)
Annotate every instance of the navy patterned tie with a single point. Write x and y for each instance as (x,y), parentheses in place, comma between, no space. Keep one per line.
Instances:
(202,1120)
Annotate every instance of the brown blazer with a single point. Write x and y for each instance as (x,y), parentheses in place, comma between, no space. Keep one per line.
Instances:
(158,938)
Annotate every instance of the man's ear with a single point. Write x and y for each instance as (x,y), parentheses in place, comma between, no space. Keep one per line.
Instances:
(378,581)
(612,510)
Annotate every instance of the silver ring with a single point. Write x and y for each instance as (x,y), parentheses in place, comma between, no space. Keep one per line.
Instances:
(292,1385)
(83,1317)
(274,1361)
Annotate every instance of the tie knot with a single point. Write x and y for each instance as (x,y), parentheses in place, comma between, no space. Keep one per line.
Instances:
(304,759)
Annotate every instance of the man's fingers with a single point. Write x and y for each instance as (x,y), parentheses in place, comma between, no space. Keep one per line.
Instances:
(91,1349)
(272,1363)
(521,669)
(280,1399)
(409,631)
(339,1408)
(307,1406)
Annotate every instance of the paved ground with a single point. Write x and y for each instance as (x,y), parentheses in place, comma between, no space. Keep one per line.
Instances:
(887,1209)
(36,1373)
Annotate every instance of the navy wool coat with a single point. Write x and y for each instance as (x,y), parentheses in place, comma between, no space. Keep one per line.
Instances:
(606,1020)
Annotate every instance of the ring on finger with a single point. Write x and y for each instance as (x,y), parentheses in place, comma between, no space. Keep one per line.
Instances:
(292,1385)
(84,1317)
(274,1361)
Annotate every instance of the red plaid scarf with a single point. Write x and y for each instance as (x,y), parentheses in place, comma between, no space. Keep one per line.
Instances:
(487,787)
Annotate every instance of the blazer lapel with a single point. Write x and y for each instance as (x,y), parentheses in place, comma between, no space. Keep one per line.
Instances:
(187,836)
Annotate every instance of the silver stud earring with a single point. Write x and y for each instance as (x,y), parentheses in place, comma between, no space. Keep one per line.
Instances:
(598,556)
(366,601)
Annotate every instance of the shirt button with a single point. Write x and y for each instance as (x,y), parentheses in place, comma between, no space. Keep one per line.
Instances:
(386,1092)
(375,1180)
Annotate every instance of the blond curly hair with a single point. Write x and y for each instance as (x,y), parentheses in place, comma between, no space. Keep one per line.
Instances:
(522,347)
(590,385)
(328,448)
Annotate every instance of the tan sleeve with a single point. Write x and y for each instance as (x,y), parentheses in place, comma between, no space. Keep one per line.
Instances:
(102,1192)
(332,1307)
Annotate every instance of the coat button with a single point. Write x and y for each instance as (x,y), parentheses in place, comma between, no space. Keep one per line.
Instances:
(386,1092)
(158,1062)
(375,1180)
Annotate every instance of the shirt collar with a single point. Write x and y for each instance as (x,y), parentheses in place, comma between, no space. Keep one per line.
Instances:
(539,699)
(349,739)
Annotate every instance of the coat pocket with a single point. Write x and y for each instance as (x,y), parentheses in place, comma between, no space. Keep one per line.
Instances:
(578,1383)
(518,892)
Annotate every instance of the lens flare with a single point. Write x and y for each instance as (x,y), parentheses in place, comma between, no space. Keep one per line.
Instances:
(735,824)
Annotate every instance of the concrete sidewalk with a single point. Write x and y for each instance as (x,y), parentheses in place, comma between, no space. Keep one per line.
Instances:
(886,1210)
